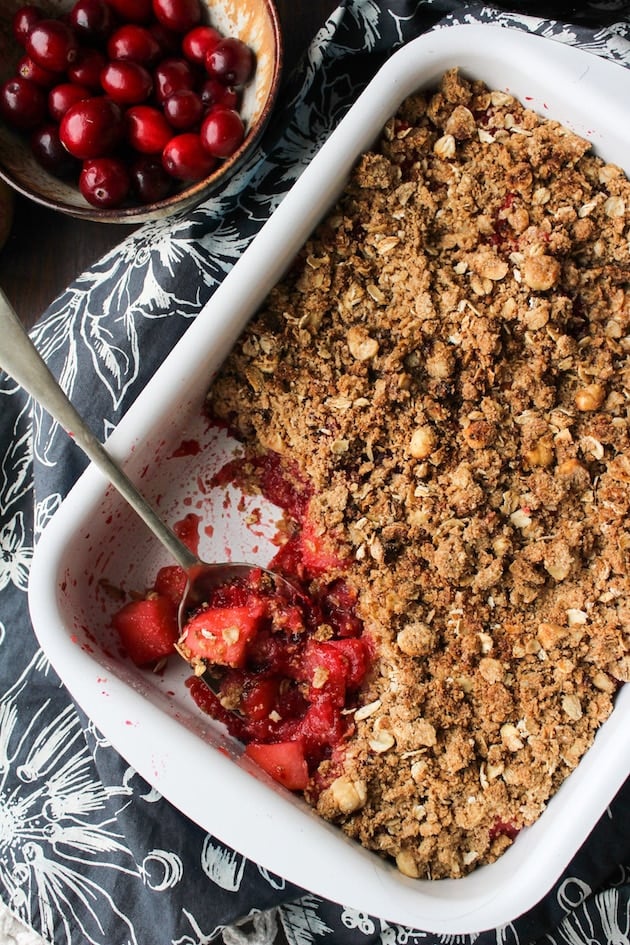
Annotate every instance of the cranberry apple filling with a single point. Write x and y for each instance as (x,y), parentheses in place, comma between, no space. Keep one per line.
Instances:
(290,658)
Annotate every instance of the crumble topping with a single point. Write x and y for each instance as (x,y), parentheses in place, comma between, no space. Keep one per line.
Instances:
(447,361)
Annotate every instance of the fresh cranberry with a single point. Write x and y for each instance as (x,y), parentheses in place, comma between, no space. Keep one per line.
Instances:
(51,154)
(222,131)
(22,103)
(87,67)
(92,128)
(149,180)
(170,76)
(131,73)
(168,41)
(185,158)
(147,129)
(93,20)
(177,15)
(132,11)
(24,20)
(126,82)
(183,109)
(62,96)
(198,41)
(231,61)
(214,92)
(135,42)
(104,182)
(29,69)
(52,44)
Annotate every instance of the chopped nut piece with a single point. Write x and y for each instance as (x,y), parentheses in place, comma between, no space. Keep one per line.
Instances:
(542,454)
(425,733)
(576,617)
(572,706)
(511,738)
(445,147)
(491,669)
(615,207)
(550,634)
(520,518)
(361,346)
(541,272)
(590,397)
(423,442)
(406,863)
(348,796)
(604,683)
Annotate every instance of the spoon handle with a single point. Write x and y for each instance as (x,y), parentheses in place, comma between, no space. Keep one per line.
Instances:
(20,358)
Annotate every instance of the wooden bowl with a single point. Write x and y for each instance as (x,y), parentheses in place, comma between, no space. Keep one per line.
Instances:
(256,22)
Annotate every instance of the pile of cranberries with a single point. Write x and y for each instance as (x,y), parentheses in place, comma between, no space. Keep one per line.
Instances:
(129,98)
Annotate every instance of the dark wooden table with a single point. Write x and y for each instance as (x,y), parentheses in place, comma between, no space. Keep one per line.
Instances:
(47,250)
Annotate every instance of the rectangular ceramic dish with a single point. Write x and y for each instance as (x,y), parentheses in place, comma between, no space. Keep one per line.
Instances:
(95,541)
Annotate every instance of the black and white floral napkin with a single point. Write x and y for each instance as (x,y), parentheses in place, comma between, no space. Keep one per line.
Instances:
(89,853)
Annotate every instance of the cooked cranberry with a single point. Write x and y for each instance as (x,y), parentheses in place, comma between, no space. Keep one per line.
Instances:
(93,20)
(198,41)
(132,11)
(104,182)
(170,76)
(51,154)
(126,82)
(177,15)
(52,44)
(214,92)
(29,69)
(62,96)
(147,129)
(135,42)
(231,60)
(222,131)
(183,109)
(91,128)
(185,158)
(22,103)
(149,180)
(87,68)
(24,20)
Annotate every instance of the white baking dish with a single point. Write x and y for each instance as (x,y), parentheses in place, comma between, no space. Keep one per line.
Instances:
(151,719)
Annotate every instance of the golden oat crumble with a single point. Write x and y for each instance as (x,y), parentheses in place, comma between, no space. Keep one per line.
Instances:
(447,359)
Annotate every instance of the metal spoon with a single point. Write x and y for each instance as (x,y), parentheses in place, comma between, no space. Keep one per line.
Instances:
(20,358)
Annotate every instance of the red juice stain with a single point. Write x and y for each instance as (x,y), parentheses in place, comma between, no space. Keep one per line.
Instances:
(187,530)
(187,448)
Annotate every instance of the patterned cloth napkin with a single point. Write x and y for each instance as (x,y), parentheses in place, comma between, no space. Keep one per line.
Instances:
(89,853)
